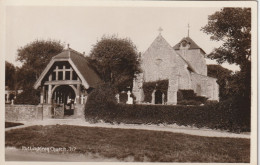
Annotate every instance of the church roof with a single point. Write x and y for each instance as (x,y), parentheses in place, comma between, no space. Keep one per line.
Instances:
(161,42)
(193,45)
(79,63)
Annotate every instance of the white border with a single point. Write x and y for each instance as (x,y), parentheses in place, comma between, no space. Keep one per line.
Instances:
(252,4)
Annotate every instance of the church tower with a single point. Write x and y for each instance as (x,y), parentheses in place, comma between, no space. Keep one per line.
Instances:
(193,54)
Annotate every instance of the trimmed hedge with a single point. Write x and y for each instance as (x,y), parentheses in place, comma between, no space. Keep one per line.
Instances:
(225,115)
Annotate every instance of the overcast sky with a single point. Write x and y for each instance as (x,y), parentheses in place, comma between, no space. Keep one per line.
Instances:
(81,27)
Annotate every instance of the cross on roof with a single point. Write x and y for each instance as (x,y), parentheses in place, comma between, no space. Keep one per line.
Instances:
(160,30)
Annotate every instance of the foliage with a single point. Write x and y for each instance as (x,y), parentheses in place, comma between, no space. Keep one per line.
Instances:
(116,61)
(188,97)
(189,102)
(149,87)
(101,99)
(224,79)
(226,115)
(232,26)
(35,56)
(10,75)
(28,96)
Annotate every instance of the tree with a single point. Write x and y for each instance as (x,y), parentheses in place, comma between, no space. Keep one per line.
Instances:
(116,61)
(232,26)
(34,57)
(224,80)
(10,75)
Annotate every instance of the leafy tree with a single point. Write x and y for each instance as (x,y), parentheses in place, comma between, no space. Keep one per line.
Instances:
(34,57)
(116,61)
(10,75)
(232,26)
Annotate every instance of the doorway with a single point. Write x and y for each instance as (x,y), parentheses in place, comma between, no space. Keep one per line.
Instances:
(63,96)
(158,97)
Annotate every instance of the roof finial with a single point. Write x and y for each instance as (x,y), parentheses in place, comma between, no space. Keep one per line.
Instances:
(68,46)
(160,30)
(188,30)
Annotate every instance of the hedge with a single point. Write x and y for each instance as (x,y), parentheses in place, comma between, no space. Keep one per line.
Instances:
(28,96)
(222,115)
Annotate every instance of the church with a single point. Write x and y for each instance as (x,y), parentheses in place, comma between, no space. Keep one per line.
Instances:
(69,78)
(182,66)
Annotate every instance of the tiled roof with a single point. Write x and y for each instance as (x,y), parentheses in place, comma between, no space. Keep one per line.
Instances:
(82,64)
(193,45)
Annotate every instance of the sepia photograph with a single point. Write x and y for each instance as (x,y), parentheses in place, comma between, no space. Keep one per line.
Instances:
(128,81)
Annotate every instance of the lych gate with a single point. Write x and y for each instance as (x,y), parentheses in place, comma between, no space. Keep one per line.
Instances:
(67,81)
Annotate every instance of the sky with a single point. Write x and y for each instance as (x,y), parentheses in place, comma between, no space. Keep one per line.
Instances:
(82,27)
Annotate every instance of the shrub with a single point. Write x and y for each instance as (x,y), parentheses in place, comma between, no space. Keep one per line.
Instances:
(189,102)
(188,97)
(101,100)
(29,96)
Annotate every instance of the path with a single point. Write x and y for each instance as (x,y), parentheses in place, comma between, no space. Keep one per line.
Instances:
(169,128)
(13,154)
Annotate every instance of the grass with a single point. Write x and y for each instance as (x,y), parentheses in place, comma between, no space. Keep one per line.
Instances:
(155,146)
(11,124)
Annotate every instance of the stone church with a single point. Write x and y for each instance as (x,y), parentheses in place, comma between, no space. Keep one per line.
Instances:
(183,66)
(69,78)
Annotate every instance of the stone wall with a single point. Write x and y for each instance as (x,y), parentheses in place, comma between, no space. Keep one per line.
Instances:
(22,112)
(79,111)
(205,86)
(34,112)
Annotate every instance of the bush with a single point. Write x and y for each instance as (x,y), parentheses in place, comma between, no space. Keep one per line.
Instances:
(224,115)
(28,96)
(189,102)
(188,97)
(101,100)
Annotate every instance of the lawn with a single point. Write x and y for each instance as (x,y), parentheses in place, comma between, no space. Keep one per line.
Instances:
(11,124)
(143,145)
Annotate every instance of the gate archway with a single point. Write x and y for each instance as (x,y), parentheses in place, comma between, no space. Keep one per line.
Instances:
(64,96)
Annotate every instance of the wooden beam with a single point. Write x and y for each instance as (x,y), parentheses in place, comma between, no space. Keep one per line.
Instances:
(56,73)
(62,82)
(63,72)
(60,70)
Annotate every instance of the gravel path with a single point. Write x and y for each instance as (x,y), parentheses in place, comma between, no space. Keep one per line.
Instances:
(169,128)
(14,154)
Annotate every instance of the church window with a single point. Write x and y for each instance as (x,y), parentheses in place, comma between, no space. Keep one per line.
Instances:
(158,62)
